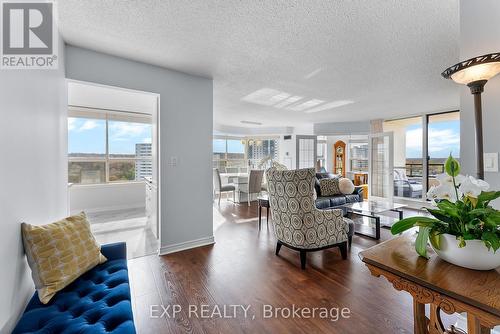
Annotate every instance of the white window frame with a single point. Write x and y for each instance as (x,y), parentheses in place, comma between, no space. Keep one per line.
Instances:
(246,139)
(425,154)
(108,115)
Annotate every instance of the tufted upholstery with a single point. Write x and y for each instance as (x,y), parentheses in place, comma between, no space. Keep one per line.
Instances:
(97,302)
(298,223)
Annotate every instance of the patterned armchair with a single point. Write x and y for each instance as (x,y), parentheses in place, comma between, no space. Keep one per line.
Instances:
(298,224)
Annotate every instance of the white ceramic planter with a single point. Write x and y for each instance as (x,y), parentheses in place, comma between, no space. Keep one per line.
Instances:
(474,255)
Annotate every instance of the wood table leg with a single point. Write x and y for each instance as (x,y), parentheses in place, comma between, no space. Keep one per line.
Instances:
(435,323)
(473,324)
(419,319)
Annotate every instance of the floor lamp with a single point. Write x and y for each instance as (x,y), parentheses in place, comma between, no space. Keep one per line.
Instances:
(475,72)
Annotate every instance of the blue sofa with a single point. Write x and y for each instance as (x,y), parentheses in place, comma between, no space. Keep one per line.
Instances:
(331,202)
(97,302)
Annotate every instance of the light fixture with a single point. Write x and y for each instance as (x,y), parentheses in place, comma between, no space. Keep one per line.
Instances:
(474,73)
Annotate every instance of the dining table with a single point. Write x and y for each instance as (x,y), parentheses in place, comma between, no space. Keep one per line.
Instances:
(240,181)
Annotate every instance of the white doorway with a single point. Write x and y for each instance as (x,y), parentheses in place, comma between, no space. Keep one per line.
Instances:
(306,151)
(113,163)
(381,166)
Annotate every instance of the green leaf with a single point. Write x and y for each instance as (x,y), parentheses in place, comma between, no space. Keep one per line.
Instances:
(486,196)
(435,239)
(449,208)
(451,166)
(492,223)
(407,223)
(482,211)
(441,216)
(421,241)
(491,240)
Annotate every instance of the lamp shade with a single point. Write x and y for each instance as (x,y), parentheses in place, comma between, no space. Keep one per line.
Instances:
(479,68)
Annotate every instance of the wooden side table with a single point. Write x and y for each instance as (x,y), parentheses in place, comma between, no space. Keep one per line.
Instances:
(442,285)
(263,203)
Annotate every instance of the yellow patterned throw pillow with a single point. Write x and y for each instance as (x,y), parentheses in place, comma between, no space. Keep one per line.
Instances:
(59,253)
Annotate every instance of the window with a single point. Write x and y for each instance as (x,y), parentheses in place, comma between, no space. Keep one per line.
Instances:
(358,156)
(261,149)
(238,154)
(419,158)
(322,152)
(444,138)
(108,146)
(408,156)
(306,152)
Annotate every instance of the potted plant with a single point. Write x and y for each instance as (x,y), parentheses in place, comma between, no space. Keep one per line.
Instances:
(465,229)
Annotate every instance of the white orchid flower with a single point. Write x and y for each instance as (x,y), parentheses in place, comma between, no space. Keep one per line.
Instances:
(446,191)
(447,179)
(432,195)
(473,187)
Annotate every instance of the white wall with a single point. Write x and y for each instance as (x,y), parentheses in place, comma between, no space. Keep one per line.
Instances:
(342,128)
(186,117)
(104,197)
(288,151)
(104,97)
(33,172)
(480,34)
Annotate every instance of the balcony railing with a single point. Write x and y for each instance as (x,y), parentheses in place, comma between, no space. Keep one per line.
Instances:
(416,170)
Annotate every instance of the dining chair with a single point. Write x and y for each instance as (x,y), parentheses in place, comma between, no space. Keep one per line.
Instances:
(254,185)
(232,170)
(219,188)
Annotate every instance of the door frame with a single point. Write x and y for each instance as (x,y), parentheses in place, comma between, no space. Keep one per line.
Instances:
(390,171)
(156,158)
(297,151)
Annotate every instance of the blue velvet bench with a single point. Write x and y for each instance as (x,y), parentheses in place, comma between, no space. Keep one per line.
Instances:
(97,302)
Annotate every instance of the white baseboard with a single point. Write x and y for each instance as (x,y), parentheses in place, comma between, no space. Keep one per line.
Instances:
(164,250)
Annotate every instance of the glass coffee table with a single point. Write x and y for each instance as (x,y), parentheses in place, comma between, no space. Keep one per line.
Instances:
(374,210)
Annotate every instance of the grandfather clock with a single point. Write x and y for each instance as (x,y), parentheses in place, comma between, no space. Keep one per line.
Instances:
(339,158)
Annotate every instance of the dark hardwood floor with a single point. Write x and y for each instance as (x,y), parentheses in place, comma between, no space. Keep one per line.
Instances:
(241,268)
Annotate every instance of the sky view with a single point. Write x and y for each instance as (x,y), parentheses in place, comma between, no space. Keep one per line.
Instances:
(233,146)
(444,137)
(89,136)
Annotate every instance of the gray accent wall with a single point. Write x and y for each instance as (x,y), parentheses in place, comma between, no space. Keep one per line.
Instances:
(480,34)
(33,172)
(186,117)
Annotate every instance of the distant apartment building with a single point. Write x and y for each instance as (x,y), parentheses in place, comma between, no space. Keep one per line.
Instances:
(259,149)
(143,163)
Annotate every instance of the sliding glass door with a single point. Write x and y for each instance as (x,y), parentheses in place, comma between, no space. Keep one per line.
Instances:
(421,146)
(408,156)
(443,133)
(381,166)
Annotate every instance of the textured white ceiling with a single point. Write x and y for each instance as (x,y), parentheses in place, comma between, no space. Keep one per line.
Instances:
(376,59)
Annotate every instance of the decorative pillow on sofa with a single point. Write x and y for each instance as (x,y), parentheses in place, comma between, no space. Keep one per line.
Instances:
(329,187)
(346,186)
(58,253)
(320,176)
